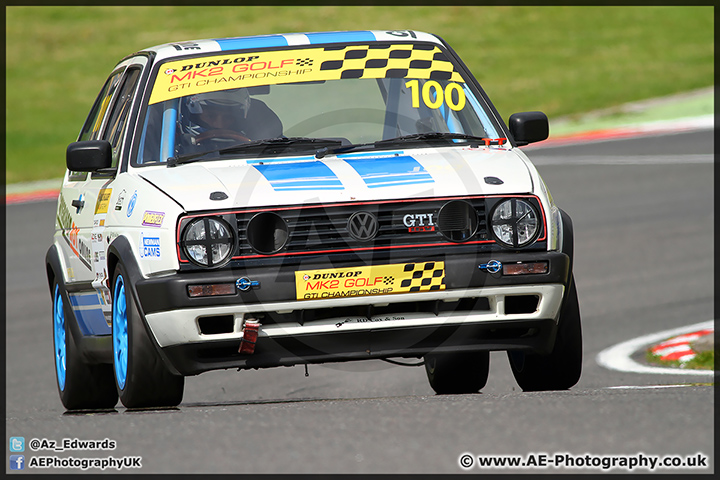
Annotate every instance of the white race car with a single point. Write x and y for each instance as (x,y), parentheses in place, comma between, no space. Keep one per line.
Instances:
(305,198)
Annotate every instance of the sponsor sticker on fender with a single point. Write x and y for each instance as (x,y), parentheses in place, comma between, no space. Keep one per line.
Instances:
(370,280)
(153,219)
(150,248)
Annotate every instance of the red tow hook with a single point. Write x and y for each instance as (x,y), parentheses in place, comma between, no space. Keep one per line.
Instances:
(249,337)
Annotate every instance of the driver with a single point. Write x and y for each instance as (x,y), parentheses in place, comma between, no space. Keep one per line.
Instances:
(231,116)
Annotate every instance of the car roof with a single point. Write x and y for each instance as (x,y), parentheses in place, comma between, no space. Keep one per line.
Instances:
(193,47)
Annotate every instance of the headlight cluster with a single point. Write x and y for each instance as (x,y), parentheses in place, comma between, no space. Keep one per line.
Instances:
(211,241)
(208,241)
(515,223)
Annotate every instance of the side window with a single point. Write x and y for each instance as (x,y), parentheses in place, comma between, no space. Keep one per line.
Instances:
(91,129)
(117,122)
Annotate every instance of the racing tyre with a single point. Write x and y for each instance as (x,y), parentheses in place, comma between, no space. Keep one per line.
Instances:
(141,377)
(80,385)
(561,369)
(465,372)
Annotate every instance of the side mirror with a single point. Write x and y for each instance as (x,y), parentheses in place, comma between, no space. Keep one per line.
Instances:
(529,127)
(89,156)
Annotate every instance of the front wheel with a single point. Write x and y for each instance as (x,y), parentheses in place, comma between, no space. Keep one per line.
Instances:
(464,372)
(561,369)
(141,377)
(80,385)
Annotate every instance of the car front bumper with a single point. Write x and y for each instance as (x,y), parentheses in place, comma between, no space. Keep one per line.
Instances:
(477,311)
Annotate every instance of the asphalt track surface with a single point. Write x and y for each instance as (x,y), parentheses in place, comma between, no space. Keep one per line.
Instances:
(643,211)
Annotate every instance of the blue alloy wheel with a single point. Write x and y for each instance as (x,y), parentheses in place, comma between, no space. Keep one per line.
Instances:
(120,333)
(141,378)
(59,335)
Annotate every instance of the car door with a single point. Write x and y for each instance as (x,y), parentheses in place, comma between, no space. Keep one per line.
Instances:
(85,201)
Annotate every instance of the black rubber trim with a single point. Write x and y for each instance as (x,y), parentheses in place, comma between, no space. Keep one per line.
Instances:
(568,238)
(529,335)
(134,127)
(52,261)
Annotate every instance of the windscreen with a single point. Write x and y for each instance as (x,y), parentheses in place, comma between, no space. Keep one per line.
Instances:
(354,94)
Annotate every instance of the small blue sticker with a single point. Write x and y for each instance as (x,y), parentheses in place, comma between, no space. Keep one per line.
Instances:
(150,247)
(131,205)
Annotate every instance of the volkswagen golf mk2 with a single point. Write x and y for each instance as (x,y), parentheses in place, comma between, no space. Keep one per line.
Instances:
(282,200)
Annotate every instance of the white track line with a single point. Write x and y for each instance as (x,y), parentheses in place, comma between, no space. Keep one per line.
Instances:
(618,357)
(645,387)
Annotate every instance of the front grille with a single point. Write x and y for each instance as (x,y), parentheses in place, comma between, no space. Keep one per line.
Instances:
(323,228)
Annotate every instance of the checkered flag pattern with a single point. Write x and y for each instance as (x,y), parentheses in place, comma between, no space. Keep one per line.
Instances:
(389,61)
(303,62)
(425,277)
(389,280)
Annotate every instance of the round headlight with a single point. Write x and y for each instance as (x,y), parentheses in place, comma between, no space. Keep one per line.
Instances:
(515,223)
(208,241)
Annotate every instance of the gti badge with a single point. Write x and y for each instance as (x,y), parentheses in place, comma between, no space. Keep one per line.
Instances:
(493,266)
(244,284)
(419,222)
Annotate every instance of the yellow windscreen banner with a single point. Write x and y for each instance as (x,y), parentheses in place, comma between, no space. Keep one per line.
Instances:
(222,72)
(370,280)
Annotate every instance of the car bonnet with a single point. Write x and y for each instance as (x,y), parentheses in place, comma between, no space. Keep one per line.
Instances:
(415,173)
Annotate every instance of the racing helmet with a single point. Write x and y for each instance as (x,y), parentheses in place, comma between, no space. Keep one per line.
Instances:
(236,100)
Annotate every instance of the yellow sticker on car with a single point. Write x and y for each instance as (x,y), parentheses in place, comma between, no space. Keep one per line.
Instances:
(221,72)
(370,280)
(103,200)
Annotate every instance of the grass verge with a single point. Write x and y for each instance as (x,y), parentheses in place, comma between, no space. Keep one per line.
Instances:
(563,60)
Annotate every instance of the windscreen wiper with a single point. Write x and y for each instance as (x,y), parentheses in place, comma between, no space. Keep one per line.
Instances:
(267,146)
(342,149)
(442,136)
(276,145)
(414,137)
(188,158)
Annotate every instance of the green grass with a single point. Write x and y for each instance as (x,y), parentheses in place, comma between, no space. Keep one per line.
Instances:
(703,361)
(561,60)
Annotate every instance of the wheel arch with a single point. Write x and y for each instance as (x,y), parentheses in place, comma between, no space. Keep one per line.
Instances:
(568,237)
(120,251)
(93,349)
(53,269)
(54,272)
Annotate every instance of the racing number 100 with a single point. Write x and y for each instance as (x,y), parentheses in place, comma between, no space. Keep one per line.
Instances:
(433,95)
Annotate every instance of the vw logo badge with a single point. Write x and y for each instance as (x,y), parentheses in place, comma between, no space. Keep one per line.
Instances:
(363,226)
(493,266)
